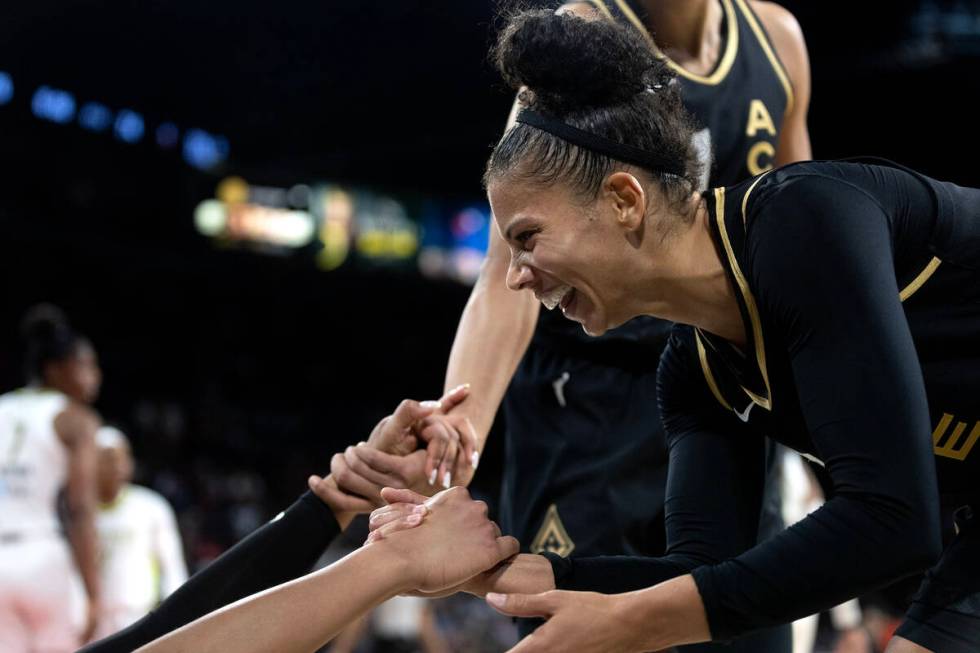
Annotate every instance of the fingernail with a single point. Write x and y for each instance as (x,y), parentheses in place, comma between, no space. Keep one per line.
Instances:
(432,477)
(447,480)
(362,443)
(475,459)
(420,509)
(413,519)
(430,404)
(463,386)
(496,600)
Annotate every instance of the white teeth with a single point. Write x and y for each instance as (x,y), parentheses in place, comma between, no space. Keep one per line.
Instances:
(554,297)
(565,301)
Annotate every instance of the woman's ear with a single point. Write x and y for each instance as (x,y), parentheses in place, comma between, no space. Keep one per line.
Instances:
(629,202)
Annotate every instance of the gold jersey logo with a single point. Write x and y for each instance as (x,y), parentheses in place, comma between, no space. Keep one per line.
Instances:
(552,537)
(952,444)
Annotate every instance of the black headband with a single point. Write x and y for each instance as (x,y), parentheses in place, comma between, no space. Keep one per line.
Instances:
(599,144)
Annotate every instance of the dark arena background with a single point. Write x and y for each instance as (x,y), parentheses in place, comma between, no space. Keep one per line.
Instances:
(243,343)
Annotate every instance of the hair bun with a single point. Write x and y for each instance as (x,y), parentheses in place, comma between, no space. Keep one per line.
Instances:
(568,62)
(43,322)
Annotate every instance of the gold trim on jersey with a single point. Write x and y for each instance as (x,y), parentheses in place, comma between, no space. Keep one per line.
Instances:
(770,54)
(750,305)
(745,198)
(724,64)
(708,375)
(920,280)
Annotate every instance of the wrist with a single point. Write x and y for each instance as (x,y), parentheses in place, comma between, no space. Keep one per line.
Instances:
(523,574)
(392,563)
(665,615)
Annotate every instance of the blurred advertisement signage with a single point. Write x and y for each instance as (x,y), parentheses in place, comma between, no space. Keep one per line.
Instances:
(338,226)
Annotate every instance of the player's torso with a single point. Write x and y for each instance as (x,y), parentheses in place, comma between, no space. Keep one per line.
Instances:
(939,287)
(33,461)
(128,562)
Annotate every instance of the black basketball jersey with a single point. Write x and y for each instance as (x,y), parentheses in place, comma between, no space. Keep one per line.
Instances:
(740,107)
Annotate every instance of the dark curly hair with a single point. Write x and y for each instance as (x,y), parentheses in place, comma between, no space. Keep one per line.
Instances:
(600,77)
(47,337)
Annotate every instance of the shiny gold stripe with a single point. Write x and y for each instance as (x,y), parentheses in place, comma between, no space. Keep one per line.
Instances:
(745,198)
(601,6)
(920,280)
(725,65)
(760,349)
(767,48)
(706,368)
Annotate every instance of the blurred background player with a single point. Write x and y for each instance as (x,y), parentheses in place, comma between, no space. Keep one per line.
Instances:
(47,444)
(142,559)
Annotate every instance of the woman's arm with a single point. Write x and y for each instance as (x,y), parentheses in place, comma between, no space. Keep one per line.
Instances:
(455,542)
(299,616)
(76,427)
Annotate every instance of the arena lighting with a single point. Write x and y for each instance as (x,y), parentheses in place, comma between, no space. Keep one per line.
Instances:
(6,88)
(129,126)
(203,150)
(252,223)
(168,135)
(53,104)
(94,116)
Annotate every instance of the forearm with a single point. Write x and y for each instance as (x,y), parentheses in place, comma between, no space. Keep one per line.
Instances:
(795,573)
(617,574)
(299,616)
(494,332)
(666,615)
(85,549)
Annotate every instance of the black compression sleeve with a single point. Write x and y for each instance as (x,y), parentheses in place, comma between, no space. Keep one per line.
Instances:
(824,276)
(713,495)
(284,549)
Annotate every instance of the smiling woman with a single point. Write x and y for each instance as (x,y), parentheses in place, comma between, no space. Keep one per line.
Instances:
(841,300)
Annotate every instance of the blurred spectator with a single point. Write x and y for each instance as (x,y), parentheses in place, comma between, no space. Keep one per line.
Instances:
(142,558)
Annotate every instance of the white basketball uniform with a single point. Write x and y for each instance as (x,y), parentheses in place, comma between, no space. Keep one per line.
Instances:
(142,559)
(40,607)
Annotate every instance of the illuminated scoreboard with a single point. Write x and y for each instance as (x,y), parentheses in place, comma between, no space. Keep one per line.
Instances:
(341,226)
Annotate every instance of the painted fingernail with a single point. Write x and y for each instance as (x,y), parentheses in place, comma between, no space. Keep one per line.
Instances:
(496,600)
(430,404)
(432,477)
(475,459)
(447,480)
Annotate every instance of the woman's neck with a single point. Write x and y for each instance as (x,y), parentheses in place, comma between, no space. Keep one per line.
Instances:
(688,283)
(687,31)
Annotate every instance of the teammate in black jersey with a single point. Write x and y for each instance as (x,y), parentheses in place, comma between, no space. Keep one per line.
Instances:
(586,461)
(834,307)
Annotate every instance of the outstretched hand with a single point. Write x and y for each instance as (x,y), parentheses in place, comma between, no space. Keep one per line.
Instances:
(447,539)
(584,622)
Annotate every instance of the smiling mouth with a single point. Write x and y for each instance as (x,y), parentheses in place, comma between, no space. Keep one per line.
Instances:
(567,299)
(556,297)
